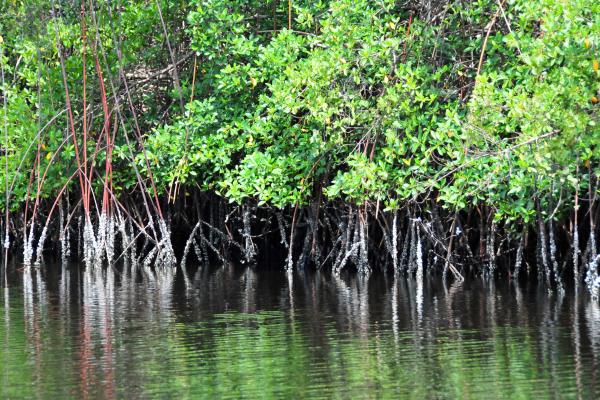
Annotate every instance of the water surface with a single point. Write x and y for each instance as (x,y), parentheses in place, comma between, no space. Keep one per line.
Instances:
(240,333)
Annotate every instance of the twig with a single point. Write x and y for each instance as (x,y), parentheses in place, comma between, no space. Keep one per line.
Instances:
(487,35)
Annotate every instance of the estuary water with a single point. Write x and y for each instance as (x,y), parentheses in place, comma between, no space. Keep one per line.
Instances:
(75,332)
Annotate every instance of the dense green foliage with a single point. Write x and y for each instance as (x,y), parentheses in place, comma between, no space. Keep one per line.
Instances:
(391,102)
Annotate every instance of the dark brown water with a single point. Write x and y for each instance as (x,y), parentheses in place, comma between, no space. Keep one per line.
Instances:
(240,333)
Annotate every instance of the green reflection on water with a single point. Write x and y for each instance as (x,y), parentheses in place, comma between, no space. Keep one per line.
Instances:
(269,356)
(36,355)
(49,350)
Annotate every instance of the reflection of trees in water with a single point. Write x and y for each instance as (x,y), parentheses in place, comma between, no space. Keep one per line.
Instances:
(96,329)
(109,306)
(549,328)
(353,303)
(6,341)
(592,319)
(248,293)
(592,316)
(576,336)
(34,311)
(134,321)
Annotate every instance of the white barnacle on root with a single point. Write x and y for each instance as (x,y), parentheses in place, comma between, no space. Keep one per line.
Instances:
(592,279)
(28,246)
(403,262)
(412,256)
(6,241)
(282,228)
(125,240)
(395,241)
(189,243)
(165,256)
(419,257)
(147,262)
(363,259)
(519,257)
(63,235)
(89,243)
(101,238)
(553,258)
(131,242)
(543,251)
(249,250)
(490,248)
(39,253)
(106,238)
(110,240)
(419,277)
(200,251)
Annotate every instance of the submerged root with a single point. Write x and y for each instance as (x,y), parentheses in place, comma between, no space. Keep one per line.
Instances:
(28,245)
(394,246)
(490,249)
(350,247)
(39,253)
(419,276)
(315,248)
(249,249)
(303,259)
(133,246)
(345,237)
(363,259)
(213,248)
(342,241)
(349,254)
(519,256)
(413,247)
(555,269)
(576,252)
(592,244)
(200,251)
(63,235)
(282,228)
(101,236)
(125,241)
(110,240)
(592,279)
(188,245)
(408,237)
(6,238)
(165,256)
(150,257)
(89,243)
(543,252)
